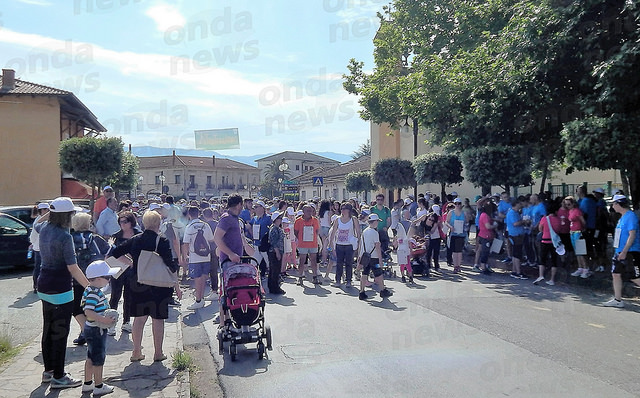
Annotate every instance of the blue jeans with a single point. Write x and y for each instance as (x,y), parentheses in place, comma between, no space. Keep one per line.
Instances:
(344,256)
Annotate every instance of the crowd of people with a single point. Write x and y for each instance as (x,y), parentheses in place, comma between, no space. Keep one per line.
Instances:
(296,239)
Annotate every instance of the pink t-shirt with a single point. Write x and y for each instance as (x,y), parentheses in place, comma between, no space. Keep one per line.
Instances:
(574,217)
(544,225)
(484,231)
(563,215)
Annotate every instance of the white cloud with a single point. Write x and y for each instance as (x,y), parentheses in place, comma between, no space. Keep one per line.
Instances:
(165,16)
(43,3)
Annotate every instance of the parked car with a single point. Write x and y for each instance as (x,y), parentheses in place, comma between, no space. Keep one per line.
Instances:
(14,242)
(22,213)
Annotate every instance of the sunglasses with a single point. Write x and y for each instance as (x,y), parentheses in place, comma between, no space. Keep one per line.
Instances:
(124,220)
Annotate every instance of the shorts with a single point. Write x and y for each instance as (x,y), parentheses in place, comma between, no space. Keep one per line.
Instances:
(196,270)
(629,268)
(78,290)
(516,246)
(374,265)
(307,250)
(575,235)
(457,243)
(324,232)
(96,344)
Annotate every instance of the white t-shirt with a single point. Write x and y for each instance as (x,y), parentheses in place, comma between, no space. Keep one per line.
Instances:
(345,231)
(403,242)
(369,239)
(395,218)
(190,236)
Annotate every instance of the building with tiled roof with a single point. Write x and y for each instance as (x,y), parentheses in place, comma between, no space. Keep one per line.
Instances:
(297,162)
(333,180)
(34,119)
(196,177)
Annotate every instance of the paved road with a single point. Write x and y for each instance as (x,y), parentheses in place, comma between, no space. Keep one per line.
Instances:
(451,336)
(20,308)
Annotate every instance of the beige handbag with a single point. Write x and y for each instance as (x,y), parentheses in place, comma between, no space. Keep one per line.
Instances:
(152,270)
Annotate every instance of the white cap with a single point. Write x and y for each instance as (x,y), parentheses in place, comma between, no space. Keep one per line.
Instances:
(43,205)
(454,193)
(259,203)
(598,190)
(436,209)
(299,213)
(407,201)
(154,206)
(107,187)
(100,268)
(617,198)
(135,204)
(285,220)
(166,206)
(275,215)
(374,217)
(290,211)
(457,200)
(62,204)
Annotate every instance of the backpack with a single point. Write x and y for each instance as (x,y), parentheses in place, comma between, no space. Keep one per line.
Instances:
(264,242)
(86,250)
(200,244)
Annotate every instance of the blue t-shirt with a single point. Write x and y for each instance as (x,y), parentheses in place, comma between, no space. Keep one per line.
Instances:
(504,207)
(526,213)
(512,218)
(57,252)
(628,222)
(537,212)
(264,222)
(93,298)
(588,207)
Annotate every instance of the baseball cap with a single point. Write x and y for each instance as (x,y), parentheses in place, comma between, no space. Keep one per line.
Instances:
(457,200)
(598,190)
(62,204)
(154,206)
(374,217)
(619,198)
(290,211)
(135,204)
(436,209)
(275,215)
(285,220)
(454,193)
(259,203)
(100,268)
(43,205)
(107,187)
(407,201)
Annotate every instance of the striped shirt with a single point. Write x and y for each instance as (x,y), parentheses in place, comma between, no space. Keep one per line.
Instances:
(94,299)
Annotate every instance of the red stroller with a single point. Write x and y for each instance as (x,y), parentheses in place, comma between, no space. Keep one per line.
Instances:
(242,301)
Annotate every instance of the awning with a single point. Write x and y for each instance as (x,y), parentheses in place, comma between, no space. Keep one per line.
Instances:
(75,189)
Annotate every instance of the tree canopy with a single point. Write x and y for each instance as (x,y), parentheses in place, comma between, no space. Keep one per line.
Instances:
(438,168)
(359,181)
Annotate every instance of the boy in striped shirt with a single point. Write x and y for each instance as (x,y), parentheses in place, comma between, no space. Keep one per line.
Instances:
(94,304)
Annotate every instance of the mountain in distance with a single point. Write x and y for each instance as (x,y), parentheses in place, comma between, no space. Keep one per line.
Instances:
(146,151)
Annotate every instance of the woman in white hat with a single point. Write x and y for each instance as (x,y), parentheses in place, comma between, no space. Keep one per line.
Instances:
(59,267)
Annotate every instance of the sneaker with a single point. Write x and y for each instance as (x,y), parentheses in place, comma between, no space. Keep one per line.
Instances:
(213,296)
(126,327)
(577,272)
(299,281)
(174,303)
(522,276)
(585,274)
(614,303)
(476,267)
(87,387)
(105,389)
(507,260)
(111,331)
(65,381)
(550,283)
(80,340)
(363,296)
(317,281)
(538,280)
(196,305)
(385,293)
(348,284)
(47,376)
(491,271)
(404,280)
(600,268)
(515,275)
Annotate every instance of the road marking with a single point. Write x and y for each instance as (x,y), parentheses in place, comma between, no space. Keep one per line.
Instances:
(541,308)
(595,325)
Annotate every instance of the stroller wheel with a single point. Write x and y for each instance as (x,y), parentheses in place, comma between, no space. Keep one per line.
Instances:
(220,344)
(260,350)
(232,351)
(267,333)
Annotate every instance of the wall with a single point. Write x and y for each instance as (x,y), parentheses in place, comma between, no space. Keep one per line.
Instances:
(29,142)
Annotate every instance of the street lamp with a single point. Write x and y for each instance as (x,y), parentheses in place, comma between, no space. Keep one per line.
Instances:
(404,129)
(139,186)
(162,179)
(283,167)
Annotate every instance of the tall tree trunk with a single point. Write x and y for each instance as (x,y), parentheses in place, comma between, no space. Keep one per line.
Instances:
(634,187)
(545,172)
(442,191)
(624,177)
(486,190)
(507,189)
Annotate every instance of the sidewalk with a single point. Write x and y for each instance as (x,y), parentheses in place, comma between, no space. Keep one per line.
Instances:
(22,377)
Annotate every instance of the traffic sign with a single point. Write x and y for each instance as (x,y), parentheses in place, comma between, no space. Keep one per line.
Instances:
(317,181)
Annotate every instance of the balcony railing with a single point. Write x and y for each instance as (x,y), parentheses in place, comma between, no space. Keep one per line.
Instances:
(226,186)
(192,186)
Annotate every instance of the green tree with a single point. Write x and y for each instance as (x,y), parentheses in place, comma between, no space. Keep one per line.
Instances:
(272,175)
(497,165)
(363,150)
(90,159)
(393,173)
(438,168)
(126,178)
(359,181)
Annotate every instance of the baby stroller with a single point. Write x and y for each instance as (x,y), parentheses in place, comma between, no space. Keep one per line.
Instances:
(387,265)
(243,301)
(418,258)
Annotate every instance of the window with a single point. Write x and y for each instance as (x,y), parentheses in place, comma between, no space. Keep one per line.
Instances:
(192,180)
(178,179)
(240,181)
(157,180)
(306,168)
(310,167)
(303,195)
(208,180)
(9,227)
(297,167)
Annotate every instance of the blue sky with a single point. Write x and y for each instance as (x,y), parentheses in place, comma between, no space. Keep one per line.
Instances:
(154,71)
